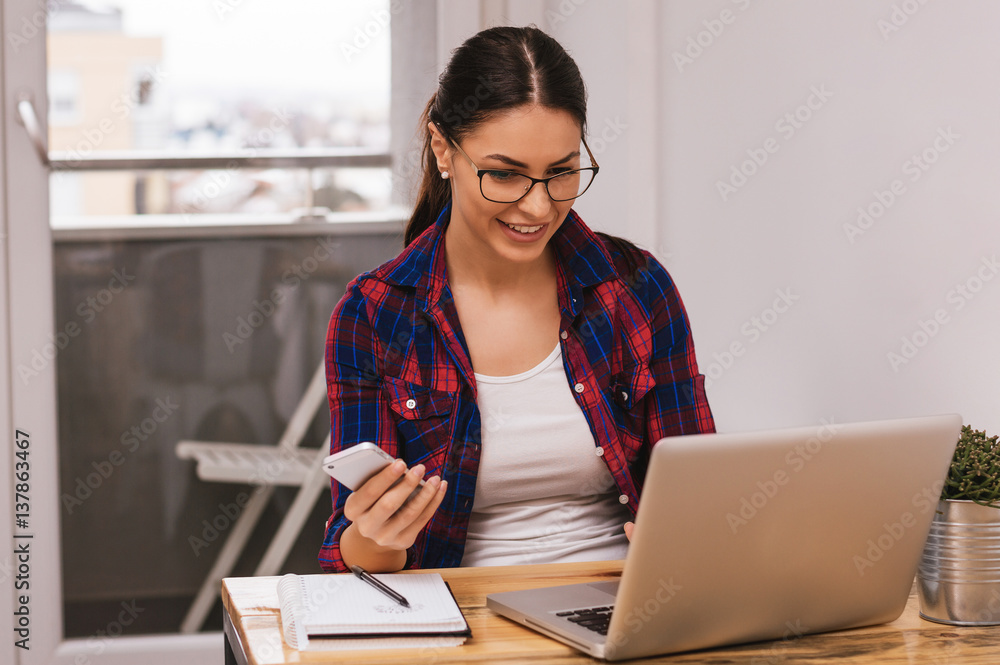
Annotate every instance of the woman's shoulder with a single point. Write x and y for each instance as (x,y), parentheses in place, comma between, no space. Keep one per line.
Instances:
(625,255)
(414,265)
(637,267)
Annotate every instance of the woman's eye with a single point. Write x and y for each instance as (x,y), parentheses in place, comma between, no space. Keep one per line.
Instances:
(500,176)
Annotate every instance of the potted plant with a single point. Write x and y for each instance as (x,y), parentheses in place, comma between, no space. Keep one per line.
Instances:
(959,574)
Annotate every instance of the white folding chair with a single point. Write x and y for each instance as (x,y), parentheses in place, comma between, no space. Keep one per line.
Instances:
(265,467)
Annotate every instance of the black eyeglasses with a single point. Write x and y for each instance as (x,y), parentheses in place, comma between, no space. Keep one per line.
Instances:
(501,186)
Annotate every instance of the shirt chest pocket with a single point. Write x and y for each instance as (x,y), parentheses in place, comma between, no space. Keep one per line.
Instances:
(423,418)
(627,392)
(629,387)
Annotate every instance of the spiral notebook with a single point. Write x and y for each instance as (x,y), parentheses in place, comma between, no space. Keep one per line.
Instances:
(341,612)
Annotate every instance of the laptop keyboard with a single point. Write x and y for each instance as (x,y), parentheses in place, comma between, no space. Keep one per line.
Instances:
(592,618)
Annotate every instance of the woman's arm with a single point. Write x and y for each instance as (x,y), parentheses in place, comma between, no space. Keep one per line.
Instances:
(368,527)
(678,404)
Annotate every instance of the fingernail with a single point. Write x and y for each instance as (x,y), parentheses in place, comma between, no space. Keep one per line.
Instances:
(434,481)
(399,465)
(418,470)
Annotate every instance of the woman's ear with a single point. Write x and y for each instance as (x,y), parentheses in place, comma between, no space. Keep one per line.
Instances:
(441,148)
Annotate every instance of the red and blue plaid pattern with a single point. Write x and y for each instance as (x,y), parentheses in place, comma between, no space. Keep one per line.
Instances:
(398,373)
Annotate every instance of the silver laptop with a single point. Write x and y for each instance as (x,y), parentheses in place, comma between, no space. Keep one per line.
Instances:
(760,536)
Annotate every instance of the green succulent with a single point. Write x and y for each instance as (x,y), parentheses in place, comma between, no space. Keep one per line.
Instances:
(975,469)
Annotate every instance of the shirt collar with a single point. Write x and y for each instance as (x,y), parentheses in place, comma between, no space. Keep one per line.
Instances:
(582,252)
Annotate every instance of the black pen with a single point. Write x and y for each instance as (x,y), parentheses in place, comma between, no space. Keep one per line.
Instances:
(365,576)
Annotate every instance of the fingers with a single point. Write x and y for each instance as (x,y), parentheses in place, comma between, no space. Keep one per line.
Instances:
(399,493)
(422,507)
(389,519)
(362,499)
(629,527)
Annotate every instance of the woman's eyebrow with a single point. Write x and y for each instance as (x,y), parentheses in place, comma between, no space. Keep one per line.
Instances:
(513,162)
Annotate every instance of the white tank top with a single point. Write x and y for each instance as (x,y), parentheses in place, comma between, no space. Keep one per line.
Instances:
(543,494)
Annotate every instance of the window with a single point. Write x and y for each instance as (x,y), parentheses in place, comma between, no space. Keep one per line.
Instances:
(205,109)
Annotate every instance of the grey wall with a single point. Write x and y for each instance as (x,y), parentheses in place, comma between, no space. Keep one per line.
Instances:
(801,307)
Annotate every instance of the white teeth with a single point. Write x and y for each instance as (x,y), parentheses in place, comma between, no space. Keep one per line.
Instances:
(524,229)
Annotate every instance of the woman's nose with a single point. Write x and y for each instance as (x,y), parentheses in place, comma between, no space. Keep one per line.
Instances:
(537,201)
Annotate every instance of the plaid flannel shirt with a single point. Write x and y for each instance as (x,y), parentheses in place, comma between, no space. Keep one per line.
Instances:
(398,373)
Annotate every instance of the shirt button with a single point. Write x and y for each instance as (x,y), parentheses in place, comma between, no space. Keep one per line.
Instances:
(578,387)
(624,396)
(563,334)
(599,451)
(623,498)
(411,404)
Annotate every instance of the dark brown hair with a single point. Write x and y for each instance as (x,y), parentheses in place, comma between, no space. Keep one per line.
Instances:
(492,72)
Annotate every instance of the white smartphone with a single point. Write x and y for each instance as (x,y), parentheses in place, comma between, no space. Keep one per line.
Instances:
(354,466)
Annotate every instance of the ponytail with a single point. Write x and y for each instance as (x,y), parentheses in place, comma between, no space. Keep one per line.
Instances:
(434,191)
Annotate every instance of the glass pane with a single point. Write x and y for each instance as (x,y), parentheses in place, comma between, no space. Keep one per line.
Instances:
(204,77)
(165,341)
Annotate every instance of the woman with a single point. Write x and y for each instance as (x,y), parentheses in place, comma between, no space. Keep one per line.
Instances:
(520,363)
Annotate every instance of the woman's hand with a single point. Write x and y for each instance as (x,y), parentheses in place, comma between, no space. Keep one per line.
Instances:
(628,530)
(383,523)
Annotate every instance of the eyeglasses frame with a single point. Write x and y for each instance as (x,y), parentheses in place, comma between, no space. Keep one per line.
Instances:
(481,172)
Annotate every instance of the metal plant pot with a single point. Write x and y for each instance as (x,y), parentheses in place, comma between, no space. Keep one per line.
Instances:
(959,574)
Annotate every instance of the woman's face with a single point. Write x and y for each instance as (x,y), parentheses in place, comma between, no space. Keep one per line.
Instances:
(532,140)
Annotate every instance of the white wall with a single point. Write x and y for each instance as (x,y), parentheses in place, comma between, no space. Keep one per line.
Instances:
(881,96)
(617,47)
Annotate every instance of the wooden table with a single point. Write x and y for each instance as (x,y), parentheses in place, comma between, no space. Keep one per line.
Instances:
(253,630)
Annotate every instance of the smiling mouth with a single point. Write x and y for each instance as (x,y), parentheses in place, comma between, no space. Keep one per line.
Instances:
(522,229)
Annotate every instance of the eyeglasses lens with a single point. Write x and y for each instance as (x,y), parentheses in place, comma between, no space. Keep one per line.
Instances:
(507,187)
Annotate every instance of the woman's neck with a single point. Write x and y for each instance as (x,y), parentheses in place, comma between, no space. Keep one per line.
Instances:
(474,265)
